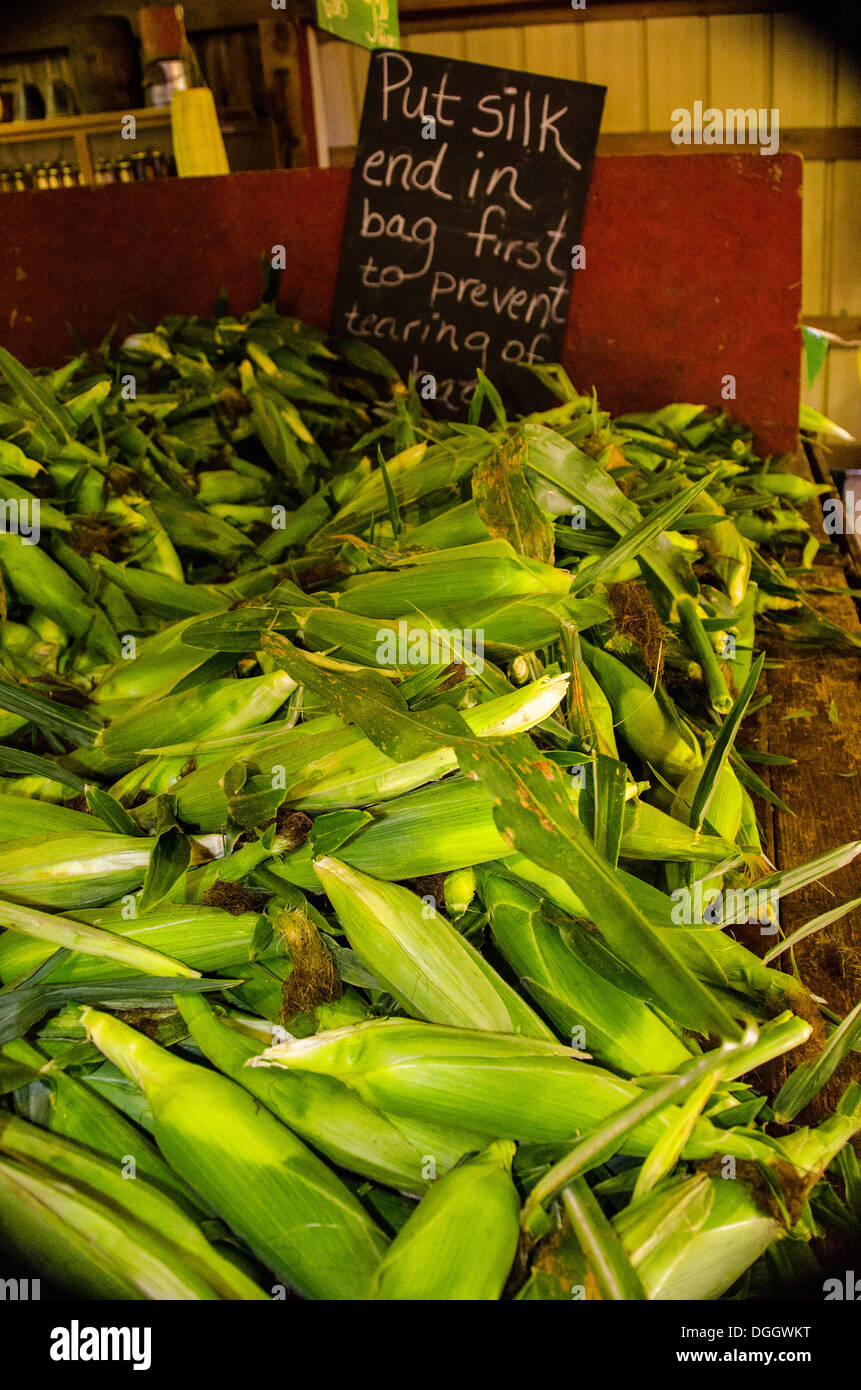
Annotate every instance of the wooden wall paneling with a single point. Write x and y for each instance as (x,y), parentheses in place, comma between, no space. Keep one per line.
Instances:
(803,90)
(556,50)
(443,43)
(817,394)
(616,56)
(843,398)
(845,237)
(848,89)
(360,60)
(815,273)
(815,296)
(676,67)
(803,73)
(501,47)
(739,53)
(337,81)
(843,210)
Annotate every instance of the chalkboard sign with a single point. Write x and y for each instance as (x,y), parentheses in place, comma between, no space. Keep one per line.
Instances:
(464,221)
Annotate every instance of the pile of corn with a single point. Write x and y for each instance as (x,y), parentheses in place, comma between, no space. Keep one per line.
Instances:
(362,781)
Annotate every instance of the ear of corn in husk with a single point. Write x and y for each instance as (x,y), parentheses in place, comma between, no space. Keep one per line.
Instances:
(165,1254)
(68,1107)
(615,1027)
(452,826)
(327,1114)
(460,1242)
(640,718)
(373,776)
(83,1242)
(295,1215)
(499,1084)
(420,959)
(224,707)
(208,937)
(76,871)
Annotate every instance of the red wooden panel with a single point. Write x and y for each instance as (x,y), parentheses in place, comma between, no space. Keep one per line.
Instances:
(693,271)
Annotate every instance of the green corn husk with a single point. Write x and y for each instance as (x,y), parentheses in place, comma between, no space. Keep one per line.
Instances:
(641,719)
(295,1215)
(10,723)
(179,1253)
(160,594)
(327,1114)
(649,834)
(416,472)
(725,807)
(459,890)
(460,1243)
(21,817)
(324,765)
(692,1238)
(82,871)
(84,1243)
(591,716)
(458,526)
(784,523)
(790,485)
(724,816)
(67,1106)
(365,774)
(432,584)
(553,964)
(203,938)
(40,582)
(200,796)
(727,550)
(712,955)
(419,958)
(504,1086)
(223,485)
(69,935)
(452,826)
(161,661)
(222,708)
(507,628)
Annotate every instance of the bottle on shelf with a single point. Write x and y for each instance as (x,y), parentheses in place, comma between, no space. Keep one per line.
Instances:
(143,165)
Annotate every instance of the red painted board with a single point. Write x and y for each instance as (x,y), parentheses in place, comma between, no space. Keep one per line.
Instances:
(693,271)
